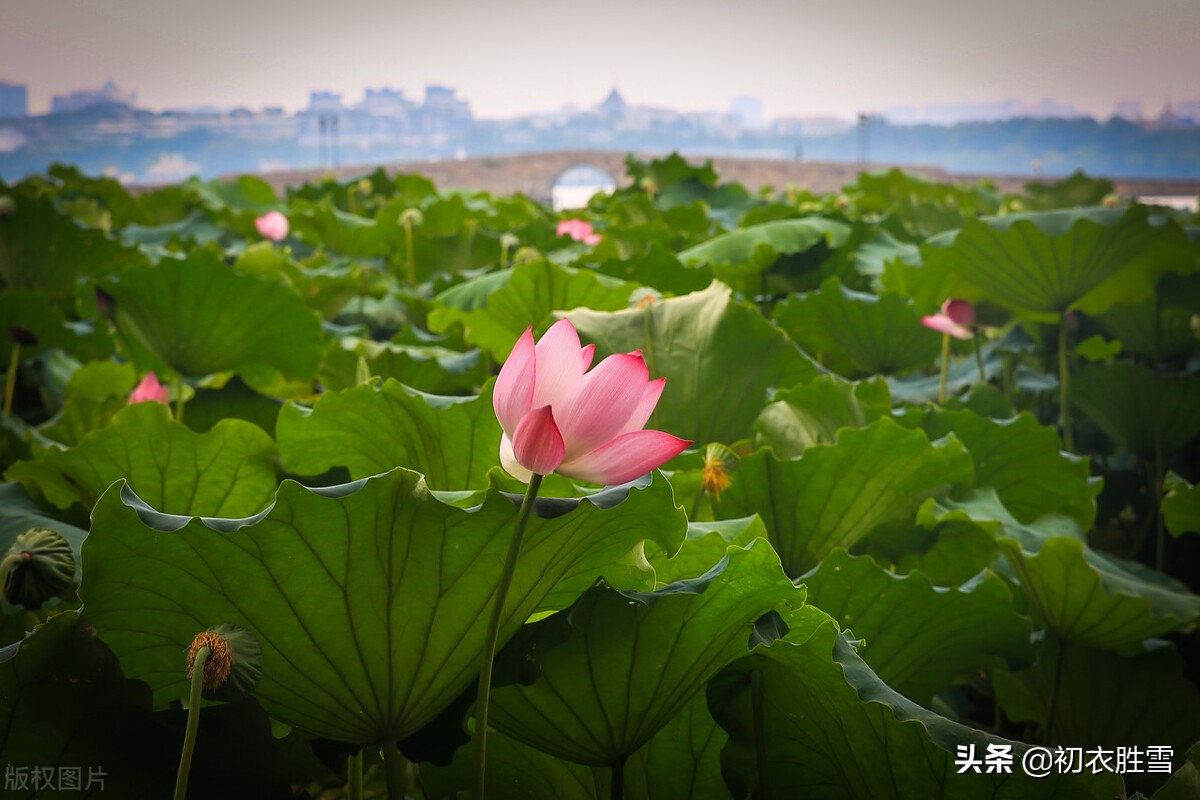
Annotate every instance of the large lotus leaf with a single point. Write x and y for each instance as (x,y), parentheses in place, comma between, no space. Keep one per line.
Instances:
(719,358)
(1172,336)
(660,268)
(749,251)
(514,772)
(1081,595)
(922,206)
(200,317)
(453,441)
(160,241)
(1051,261)
(428,368)
(1022,460)
(878,333)
(1184,782)
(704,547)
(812,413)
(682,761)
(1075,190)
(1123,398)
(834,731)
(320,224)
(228,471)
(64,704)
(1181,506)
(234,400)
(1107,700)
(369,600)
(964,374)
(243,193)
(834,495)
(920,638)
(42,249)
(630,662)
(533,291)
(96,392)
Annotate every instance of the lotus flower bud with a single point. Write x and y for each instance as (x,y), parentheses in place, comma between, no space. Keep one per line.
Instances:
(23,336)
(234,664)
(526,255)
(106,304)
(38,566)
(960,312)
(412,216)
(272,225)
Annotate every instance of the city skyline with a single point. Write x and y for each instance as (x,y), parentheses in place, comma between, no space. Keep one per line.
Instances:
(533,56)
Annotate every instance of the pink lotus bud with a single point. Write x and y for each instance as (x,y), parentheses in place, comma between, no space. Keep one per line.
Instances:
(943,324)
(961,312)
(273,226)
(150,390)
(579,230)
(559,417)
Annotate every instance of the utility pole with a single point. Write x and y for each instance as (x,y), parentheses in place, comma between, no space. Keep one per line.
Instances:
(864,121)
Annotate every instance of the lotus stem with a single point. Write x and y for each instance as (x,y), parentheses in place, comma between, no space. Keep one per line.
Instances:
(395,769)
(1160,535)
(1064,387)
(945,369)
(193,722)
(493,632)
(179,397)
(1055,685)
(410,261)
(354,776)
(10,380)
(978,356)
(617,790)
(760,734)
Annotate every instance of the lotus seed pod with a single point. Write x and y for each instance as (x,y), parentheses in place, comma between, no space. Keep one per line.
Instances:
(37,567)
(509,240)
(412,216)
(526,255)
(234,665)
(23,336)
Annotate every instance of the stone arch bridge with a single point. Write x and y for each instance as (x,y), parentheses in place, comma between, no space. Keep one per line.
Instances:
(535,173)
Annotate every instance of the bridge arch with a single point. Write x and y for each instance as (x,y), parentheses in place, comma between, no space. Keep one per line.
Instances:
(574,185)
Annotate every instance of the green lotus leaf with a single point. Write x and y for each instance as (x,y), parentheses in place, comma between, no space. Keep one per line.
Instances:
(700,343)
(630,662)
(453,441)
(199,317)
(833,730)
(514,772)
(1172,337)
(878,334)
(749,251)
(1049,262)
(704,547)
(32,311)
(533,291)
(1022,460)
(44,250)
(682,761)
(95,392)
(228,471)
(234,400)
(1125,399)
(1107,700)
(432,369)
(1184,782)
(919,638)
(369,599)
(1079,594)
(659,268)
(1181,505)
(247,193)
(834,495)
(812,413)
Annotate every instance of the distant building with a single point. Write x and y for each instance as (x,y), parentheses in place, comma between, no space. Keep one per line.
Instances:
(108,95)
(614,105)
(748,111)
(1128,110)
(14,100)
(324,102)
(385,102)
(1190,110)
(443,100)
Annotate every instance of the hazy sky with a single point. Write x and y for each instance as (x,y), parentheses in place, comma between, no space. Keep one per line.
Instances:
(535,55)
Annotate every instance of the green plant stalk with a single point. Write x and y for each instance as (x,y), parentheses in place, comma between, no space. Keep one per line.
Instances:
(493,632)
(1160,534)
(10,380)
(760,734)
(945,375)
(1006,377)
(179,397)
(1064,388)
(978,357)
(354,776)
(395,771)
(411,261)
(1055,685)
(617,790)
(193,722)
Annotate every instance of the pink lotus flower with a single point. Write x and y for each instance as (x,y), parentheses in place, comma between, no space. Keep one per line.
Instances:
(273,226)
(150,390)
(579,230)
(558,417)
(954,319)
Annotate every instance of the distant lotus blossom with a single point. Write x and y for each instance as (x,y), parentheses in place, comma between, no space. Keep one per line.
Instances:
(954,319)
(273,226)
(579,230)
(150,390)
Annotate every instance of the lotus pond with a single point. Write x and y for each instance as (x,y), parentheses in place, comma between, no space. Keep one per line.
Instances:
(912,548)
